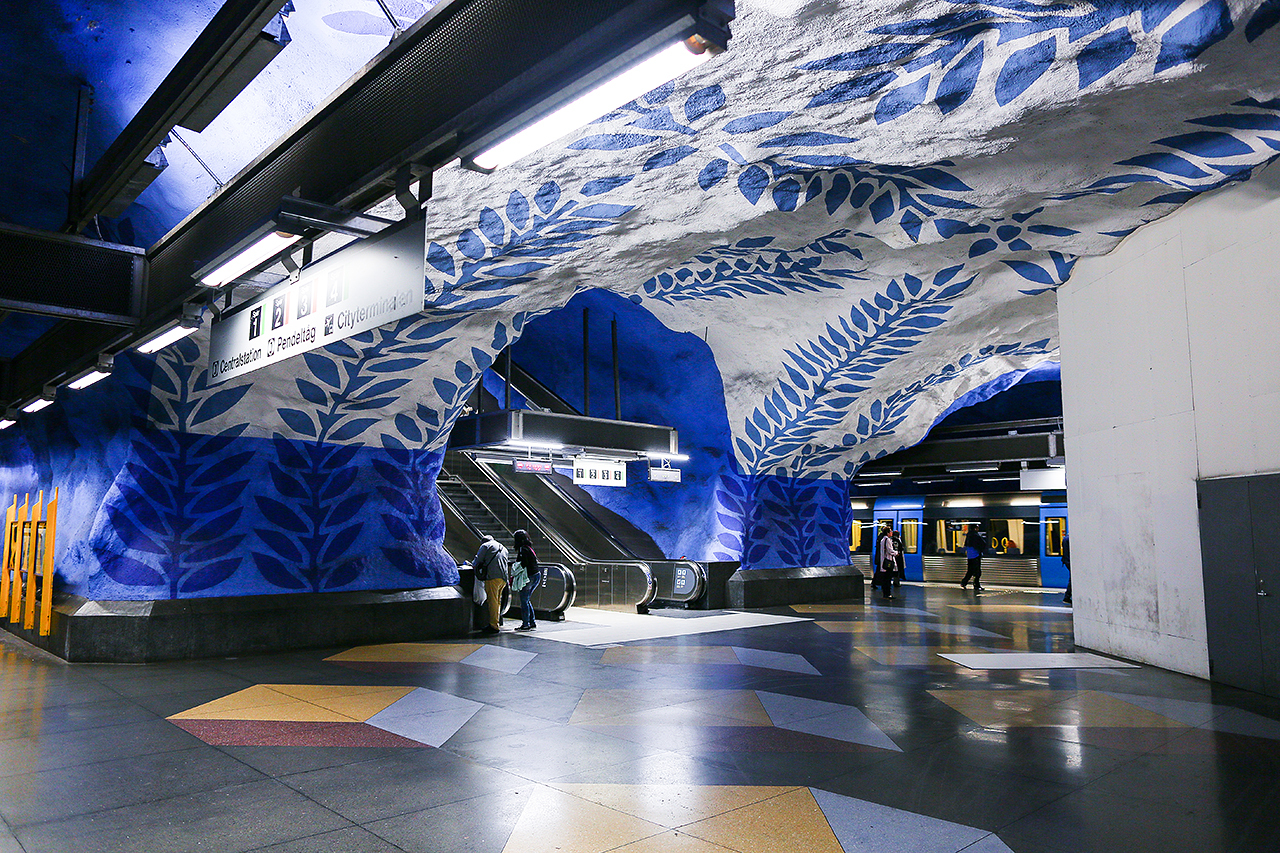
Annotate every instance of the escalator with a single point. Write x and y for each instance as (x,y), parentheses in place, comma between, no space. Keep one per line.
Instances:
(615,565)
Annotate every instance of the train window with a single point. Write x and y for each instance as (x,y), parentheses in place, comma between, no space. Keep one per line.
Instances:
(1053,530)
(1006,537)
(862,537)
(911,535)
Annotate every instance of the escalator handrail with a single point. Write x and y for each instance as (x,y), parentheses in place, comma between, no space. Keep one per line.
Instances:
(699,574)
(533,517)
(558,541)
(457,511)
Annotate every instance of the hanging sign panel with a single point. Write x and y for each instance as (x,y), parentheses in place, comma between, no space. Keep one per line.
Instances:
(533,466)
(664,475)
(599,472)
(370,283)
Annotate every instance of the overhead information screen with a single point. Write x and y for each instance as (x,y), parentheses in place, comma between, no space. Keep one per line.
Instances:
(368,284)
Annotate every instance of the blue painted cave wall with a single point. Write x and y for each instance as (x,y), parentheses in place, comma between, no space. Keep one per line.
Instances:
(153,513)
(670,378)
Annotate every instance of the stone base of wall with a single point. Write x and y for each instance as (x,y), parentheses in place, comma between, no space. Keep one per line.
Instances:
(85,631)
(780,587)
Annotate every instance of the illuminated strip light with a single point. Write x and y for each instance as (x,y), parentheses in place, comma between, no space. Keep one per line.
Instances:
(674,457)
(999,479)
(37,404)
(640,79)
(253,256)
(971,469)
(534,445)
(165,338)
(88,379)
(965,503)
(5,423)
(871,485)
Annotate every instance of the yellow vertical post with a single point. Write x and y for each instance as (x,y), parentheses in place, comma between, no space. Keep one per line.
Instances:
(15,598)
(33,562)
(5,569)
(46,587)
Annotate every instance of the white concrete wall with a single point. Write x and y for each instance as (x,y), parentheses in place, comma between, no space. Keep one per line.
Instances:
(1170,373)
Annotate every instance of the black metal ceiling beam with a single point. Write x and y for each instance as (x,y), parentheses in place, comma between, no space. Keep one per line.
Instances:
(936,454)
(458,77)
(64,276)
(233,32)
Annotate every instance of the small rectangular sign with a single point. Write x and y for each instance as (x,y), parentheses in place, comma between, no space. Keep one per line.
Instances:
(533,466)
(664,475)
(599,472)
(368,284)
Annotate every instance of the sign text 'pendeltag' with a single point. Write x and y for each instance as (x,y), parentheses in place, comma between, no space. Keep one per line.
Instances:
(368,284)
(599,472)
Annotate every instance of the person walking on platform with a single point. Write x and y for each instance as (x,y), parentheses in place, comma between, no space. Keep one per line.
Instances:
(525,578)
(491,567)
(886,563)
(974,547)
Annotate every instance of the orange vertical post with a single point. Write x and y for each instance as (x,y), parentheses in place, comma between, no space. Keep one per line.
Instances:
(46,586)
(15,598)
(33,561)
(5,569)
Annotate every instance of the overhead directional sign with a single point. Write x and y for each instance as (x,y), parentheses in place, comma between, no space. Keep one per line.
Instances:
(370,283)
(599,472)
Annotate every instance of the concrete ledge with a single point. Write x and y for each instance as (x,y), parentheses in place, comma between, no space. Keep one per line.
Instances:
(87,631)
(753,588)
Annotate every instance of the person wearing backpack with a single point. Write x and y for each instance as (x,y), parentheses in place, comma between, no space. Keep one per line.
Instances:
(491,567)
(974,547)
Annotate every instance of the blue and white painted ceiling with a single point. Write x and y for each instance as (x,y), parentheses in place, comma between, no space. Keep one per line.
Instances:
(864,207)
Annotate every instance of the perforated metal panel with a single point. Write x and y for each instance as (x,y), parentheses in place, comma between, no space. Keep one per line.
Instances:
(69,277)
(1005,571)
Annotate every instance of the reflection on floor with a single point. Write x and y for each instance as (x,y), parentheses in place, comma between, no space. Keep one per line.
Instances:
(936,722)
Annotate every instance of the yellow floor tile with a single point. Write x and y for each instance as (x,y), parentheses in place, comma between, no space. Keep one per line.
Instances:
(365,705)
(784,824)
(608,702)
(892,628)
(741,705)
(632,655)
(672,842)
(407,653)
(1050,708)
(320,692)
(556,822)
(259,695)
(674,805)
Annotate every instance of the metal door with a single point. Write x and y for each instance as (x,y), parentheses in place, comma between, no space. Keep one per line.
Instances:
(1264,510)
(1231,584)
(910,523)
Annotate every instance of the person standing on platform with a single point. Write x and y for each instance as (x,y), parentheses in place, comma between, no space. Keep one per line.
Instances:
(974,547)
(900,559)
(491,567)
(886,563)
(525,578)
(1066,564)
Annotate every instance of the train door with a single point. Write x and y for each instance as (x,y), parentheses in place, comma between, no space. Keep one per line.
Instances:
(1053,530)
(907,517)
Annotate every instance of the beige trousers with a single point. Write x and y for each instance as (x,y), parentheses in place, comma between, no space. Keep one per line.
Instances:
(493,597)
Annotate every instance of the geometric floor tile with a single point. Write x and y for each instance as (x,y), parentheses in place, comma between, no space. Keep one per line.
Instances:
(1037,660)
(672,806)
(895,655)
(426,716)
(393,657)
(1236,721)
(556,822)
(903,629)
(1000,709)
(864,827)
(655,656)
(587,627)
(328,715)
(825,719)
(787,823)
(721,720)
(1189,713)
(862,608)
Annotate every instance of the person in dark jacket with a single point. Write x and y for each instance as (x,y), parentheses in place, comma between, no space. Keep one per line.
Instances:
(974,547)
(527,563)
(491,567)
(1066,564)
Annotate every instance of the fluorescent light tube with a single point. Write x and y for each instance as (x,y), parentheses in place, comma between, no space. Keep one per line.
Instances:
(534,445)
(253,256)
(88,379)
(999,479)
(871,485)
(37,404)
(641,78)
(965,503)
(163,339)
(674,457)
(971,469)
(5,423)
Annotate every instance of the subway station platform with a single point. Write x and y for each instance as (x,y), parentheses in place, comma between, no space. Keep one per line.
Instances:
(937,722)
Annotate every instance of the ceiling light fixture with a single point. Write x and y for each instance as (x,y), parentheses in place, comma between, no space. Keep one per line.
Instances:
(1000,479)
(44,401)
(534,445)
(971,469)
(672,457)
(662,67)
(6,422)
(295,220)
(98,372)
(871,485)
(173,331)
